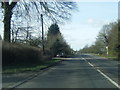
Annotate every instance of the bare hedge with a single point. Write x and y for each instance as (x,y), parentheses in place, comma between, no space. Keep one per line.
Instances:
(17,53)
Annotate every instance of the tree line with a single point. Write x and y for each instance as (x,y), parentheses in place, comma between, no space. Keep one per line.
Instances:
(22,40)
(107,42)
(30,53)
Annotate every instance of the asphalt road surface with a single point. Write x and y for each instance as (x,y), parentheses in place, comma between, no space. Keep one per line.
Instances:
(82,71)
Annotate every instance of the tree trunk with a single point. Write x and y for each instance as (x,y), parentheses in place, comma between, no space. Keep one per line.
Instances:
(7,19)
(7,22)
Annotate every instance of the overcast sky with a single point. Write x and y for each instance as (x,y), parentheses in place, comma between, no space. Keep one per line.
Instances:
(86,23)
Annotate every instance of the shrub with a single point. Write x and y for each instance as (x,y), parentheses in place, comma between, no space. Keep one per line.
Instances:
(19,54)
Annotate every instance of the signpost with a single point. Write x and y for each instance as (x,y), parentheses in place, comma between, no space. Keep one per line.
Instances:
(107,50)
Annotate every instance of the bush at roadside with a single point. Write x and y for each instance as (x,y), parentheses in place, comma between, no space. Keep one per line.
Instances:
(21,54)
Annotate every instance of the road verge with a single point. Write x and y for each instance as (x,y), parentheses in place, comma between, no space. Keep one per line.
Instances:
(28,75)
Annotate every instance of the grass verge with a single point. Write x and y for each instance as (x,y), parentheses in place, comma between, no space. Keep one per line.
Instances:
(111,57)
(108,57)
(29,67)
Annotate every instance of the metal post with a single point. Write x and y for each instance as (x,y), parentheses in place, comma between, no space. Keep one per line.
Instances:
(42,33)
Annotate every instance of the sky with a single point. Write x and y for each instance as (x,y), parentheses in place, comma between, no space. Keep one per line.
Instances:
(86,22)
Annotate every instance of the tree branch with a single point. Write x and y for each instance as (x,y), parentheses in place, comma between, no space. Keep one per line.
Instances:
(2,4)
(12,5)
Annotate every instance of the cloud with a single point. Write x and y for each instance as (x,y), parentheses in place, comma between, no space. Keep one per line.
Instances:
(97,23)
(90,21)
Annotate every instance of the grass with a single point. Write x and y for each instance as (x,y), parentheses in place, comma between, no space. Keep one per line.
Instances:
(19,58)
(28,67)
(108,57)
(111,57)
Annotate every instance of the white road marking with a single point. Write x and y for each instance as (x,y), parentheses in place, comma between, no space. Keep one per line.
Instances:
(113,82)
(84,59)
(90,64)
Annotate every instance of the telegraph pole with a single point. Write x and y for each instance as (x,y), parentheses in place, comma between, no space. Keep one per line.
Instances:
(42,33)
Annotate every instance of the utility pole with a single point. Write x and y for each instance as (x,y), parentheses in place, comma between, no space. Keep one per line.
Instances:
(42,33)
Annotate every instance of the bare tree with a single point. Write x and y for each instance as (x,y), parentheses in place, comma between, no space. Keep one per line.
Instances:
(55,11)
(7,18)
(104,35)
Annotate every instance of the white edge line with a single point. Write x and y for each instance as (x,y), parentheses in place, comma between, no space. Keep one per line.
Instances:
(113,82)
(90,64)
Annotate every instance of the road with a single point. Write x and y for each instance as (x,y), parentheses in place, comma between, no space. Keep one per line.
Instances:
(82,71)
